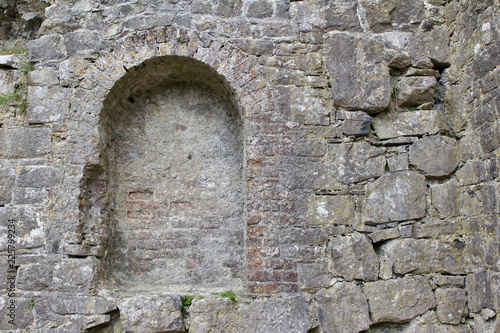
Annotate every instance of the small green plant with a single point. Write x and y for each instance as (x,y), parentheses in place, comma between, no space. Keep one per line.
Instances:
(28,67)
(17,97)
(32,302)
(187,301)
(229,294)
(14,50)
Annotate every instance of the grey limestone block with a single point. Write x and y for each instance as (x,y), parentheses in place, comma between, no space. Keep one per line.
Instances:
(451,305)
(422,256)
(354,162)
(342,308)
(24,142)
(416,90)
(353,258)
(436,156)
(387,198)
(153,314)
(358,73)
(399,300)
(392,124)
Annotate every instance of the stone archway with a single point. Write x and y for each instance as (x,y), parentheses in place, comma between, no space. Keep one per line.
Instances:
(173,155)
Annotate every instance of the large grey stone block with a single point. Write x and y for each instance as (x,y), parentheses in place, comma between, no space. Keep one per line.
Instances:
(397,196)
(436,156)
(400,300)
(451,305)
(416,90)
(354,162)
(358,74)
(50,47)
(48,104)
(24,142)
(353,258)
(39,177)
(342,308)
(392,124)
(153,314)
(423,256)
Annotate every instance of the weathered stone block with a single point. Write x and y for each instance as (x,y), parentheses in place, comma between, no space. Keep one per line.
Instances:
(153,314)
(358,74)
(39,177)
(48,104)
(354,123)
(71,71)
(260,9)
(399,300)
(391,124)
(44,77)
(342,15)
(416,90)
(354,162)
(64,304)
(139,22)
(22,142)
(28,229)
(325,210)
(451,305)
(479,292)
(353,258)
(310,106)
(18,311)
(436,156)
(444,198)
(393,14)
(342,308)
(7,181)
(281,315)
(423,256)
(388,198)
(229,8)
(312,276)
(46,48)
(383,235)
(398,162)
(474,172)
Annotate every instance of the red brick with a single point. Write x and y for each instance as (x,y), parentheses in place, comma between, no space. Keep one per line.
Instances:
(255,253)
(255,231)
(271,288)
(253,219)
(140,195)
(178,205)
(290,276)
(139,215)
(255,288)
(150,205)
(255,264)
(255,242)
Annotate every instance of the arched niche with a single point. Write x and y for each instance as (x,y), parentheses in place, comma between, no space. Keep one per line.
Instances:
(172,150)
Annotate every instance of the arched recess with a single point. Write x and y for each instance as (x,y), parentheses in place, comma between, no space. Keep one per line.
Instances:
(172,149)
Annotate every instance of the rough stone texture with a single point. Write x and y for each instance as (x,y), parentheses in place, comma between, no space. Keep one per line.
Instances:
(47,104)
(444,198)
(371,127)
(353,258)
(421,256)
(151,314)
(324,210)
(390,125)
(451,305)
(354,162)
(386,198)
(436,156)
(358,74)
(287,314)
(415,91)
(342,308)
(24,142)
(399,300)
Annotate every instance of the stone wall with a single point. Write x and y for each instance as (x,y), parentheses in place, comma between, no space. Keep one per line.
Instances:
(332,164)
